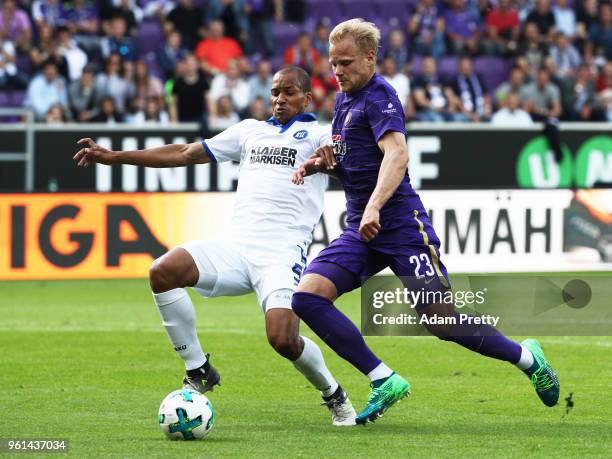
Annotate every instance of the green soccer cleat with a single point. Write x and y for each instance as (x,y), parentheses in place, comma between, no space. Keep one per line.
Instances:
(385,392)
(542,375)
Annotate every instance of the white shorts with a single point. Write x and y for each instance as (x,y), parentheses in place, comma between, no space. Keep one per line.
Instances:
(228,268)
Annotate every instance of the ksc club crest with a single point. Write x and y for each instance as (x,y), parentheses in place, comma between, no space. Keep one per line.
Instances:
(299,135)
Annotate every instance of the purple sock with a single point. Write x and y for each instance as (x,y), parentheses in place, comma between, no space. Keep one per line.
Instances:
(484,339)
(337,330)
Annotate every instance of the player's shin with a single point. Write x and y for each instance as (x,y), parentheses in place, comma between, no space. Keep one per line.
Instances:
(178,315)
(311,364)
(484,339)
(337,330)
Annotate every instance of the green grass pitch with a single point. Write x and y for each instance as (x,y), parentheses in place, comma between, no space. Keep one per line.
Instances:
(90,361)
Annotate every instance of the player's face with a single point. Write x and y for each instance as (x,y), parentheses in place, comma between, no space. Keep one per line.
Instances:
(352,68)
(288,98)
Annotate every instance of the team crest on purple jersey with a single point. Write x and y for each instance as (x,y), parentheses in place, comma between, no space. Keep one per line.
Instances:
(339,147)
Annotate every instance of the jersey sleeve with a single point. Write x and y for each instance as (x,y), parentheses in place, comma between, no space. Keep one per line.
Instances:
(227,145)
(385,113)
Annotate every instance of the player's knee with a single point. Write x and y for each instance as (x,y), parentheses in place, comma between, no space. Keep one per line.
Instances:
(160,276)
(300,303)
(286,344)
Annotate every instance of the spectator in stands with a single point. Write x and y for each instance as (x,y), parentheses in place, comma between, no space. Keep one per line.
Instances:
(118,42)
(257,109)
(84,97)
(57,114)
(189,93)
(216,51)
(514,84)
(474,99)
(600,35)
(604,81)
(15,25)
(260,83)
(587,16)
(109,113)
(432,100)
(146,86)
(49,12)
(400,83)
(426,28)
(302,53)
(45,90)
(153,113)
(325,113)
(260,16)
(46,49)
(397,49)
(544,19)
(229,84)
(580,100)
(112,83)
(541,99)
(84,25)
(323,82)
(75,56)
(321,39)
(171,53)
(503,27)
(511,114)
(158,9)
(189,21)
(564,56)
(224,115)
(10,76)
(128,10)
(233,15)
(532,48)
(462,28)
(565,18)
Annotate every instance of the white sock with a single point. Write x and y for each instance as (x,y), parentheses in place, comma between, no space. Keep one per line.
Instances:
(178,315)
(526,359)
(312,366)
(380,372)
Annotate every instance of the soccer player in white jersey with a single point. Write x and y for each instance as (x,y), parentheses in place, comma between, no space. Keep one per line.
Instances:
(265,250)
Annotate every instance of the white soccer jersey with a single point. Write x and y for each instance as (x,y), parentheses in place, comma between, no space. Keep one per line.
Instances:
(269,208)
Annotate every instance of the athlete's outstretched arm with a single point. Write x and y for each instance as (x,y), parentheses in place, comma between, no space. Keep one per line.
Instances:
(392,171)
(165,156)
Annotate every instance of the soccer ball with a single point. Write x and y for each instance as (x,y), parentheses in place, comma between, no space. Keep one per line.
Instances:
(186,414)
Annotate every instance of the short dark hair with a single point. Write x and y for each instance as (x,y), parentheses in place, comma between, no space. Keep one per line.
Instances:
(301,76)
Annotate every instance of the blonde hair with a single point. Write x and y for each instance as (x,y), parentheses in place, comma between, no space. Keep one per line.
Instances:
(365,34)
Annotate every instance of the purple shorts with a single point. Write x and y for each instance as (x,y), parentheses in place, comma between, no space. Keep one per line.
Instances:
(412,252)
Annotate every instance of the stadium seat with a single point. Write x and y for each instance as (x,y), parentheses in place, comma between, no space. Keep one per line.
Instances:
(324,9)
(150,37)
(5,99)
(359,9)
(494,70)
(285,35)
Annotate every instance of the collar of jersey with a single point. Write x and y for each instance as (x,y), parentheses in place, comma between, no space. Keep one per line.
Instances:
(306,117)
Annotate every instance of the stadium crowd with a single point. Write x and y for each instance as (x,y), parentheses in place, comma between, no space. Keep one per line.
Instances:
(510,62)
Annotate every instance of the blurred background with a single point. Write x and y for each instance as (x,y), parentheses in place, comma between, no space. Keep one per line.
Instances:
(509,101)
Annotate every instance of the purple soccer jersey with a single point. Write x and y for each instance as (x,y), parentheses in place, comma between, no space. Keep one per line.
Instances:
(406,241)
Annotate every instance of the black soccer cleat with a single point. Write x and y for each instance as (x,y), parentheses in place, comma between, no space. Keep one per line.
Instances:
(202,379)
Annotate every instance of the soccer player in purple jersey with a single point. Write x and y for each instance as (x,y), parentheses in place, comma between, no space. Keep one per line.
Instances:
(387,226)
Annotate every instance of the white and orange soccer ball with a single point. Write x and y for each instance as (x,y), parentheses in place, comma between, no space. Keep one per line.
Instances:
(185,414)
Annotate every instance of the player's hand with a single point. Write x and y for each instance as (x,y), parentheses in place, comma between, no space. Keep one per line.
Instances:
(327,155)
(370,223)
(311,166)
(92,153)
